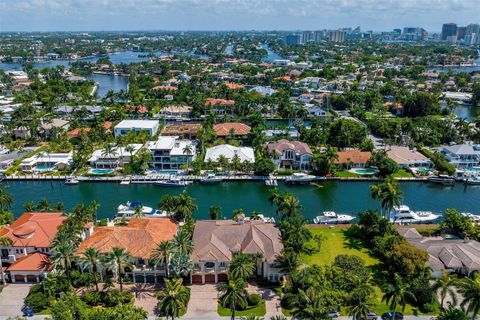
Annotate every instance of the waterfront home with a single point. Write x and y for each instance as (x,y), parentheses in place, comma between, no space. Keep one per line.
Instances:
(408,158)
(29,237)
(115,157)
(290,154)
(175,112)
(231,129)
(353,158)
(245,154)
(171,153)
(125,126)
(139,238)
(219,106)
(45,161)
(315,111)
(216,241)
(184,130)
(68,110)
(461,255)
(462,155)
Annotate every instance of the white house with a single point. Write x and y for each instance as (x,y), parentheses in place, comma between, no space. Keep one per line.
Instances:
(47,162)
(115,158)
(171,152)
(125,126)
(291,154)
(245,154)
(462,155)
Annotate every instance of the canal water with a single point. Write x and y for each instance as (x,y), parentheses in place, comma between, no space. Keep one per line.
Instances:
(340,196)
(271,55)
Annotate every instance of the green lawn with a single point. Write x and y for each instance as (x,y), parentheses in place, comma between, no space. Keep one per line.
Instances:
(259,310)
(402,173)
(337,242)
(347,174)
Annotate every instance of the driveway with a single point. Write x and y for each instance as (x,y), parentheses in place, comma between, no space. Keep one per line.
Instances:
(11,299)
(203,302)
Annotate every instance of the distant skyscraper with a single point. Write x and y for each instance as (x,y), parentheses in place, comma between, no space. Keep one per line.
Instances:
(338,36)
(293,39)
(472,28)
(319,35)
(461,32)
(449,30)
(308,36)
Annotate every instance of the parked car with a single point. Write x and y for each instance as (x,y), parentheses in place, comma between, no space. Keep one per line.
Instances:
(333,314)
(389,316)
(370,316)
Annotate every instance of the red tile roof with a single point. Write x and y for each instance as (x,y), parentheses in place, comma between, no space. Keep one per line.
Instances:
(231,85)
(139,237)
(76,132)
(33,229)
(355,156)
(211,102)
(223,129)
(36,261)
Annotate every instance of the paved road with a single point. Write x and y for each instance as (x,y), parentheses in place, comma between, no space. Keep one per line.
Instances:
(11,299)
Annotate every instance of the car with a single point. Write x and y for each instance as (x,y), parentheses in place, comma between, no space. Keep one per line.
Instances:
(333,314)
(370,316)
(389,316)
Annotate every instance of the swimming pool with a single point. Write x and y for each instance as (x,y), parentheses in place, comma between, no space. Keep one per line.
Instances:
(101,171)
(364,171)
(474,169)
(43,167)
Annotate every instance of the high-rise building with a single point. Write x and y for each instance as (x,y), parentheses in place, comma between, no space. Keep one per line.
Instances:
(461,32)
(319,35)
(414,34)
(472,28)
(293,39)
(338,36)
(449,30)
(308,36)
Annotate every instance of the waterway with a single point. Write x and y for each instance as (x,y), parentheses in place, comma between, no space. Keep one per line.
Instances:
(271,55)
(108,82)
(475,68)
(342,197)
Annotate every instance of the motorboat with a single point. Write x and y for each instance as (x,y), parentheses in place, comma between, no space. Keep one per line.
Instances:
(402,214)
(71,181)
(173,182)
(211,179)
(473,180)
(330,217)
(261,217)
(442,179)
(129,210)
(472,217)
(300,178)
(271,183)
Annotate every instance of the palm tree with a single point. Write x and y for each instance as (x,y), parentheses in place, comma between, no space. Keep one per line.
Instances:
(117,261)
(173,299)
(63,253)
(242,266)
(359,306)
(91,262)
(6,199)
(181,265)
(236,162)
(443,286)
(469,288)
(4,241)
(388,190)
(233,294)
(310,304)
(289,206)
(185,206)
(188,150)
(182,242)
(397,294)
(161,254)
(43,205)
(214,212)
(29,206)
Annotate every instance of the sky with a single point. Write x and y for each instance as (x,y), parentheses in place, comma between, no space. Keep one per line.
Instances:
(103,15)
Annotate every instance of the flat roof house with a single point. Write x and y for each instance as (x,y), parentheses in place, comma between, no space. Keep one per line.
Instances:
(245,154)
(139,238)
(171,153)
(408,158)
(118,157)
(216,241)
(290,154)
(462,155)
(125,126)
(27,255)
(47,162)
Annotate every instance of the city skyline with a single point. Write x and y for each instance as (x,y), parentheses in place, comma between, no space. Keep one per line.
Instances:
(235,15)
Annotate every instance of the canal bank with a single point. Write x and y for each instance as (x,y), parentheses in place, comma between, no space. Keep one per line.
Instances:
(340,196)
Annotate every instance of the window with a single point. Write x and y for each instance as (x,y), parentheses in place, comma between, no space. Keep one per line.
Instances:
(209,264)
(223,265)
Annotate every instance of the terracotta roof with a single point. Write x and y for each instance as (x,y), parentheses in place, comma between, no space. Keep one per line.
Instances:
(33,229)
(107,124)
(231,85)
(223,129)
(36,261)
(281,145)
(76,132)
(166,88)
(355,156)
(218,240)
(211,102)
(139,237)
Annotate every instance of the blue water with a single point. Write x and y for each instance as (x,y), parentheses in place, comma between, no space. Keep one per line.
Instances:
(44,167)
(109,82)
(101,171)
(271,56)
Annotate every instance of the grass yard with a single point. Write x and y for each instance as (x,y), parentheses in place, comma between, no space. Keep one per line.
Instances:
(402,173)
(338,242)
(259,310)
(347,174)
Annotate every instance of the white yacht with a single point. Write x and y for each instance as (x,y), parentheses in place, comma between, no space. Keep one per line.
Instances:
(211,179)
(442,179)
(71,181)
(473,180)
(330,217)
(271,183)
(299,178)
(261,217)
(472,217)
(403,214)
(173,182)
(127,211)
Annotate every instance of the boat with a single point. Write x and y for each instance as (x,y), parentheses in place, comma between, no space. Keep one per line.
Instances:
(128,211)
(472,217)
(330,217)
(299,178)
(402,214)
(442,179)
(261,217)
(473,180)
(211,179)
(173,182)
(71,181)
(271,183)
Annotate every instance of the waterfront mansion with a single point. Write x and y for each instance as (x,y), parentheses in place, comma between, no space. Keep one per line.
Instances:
(171,153)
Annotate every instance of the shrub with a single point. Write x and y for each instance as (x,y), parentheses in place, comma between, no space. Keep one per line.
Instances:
(288,301)
(37,301)
(92,298)
(116,297)
(254,299)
